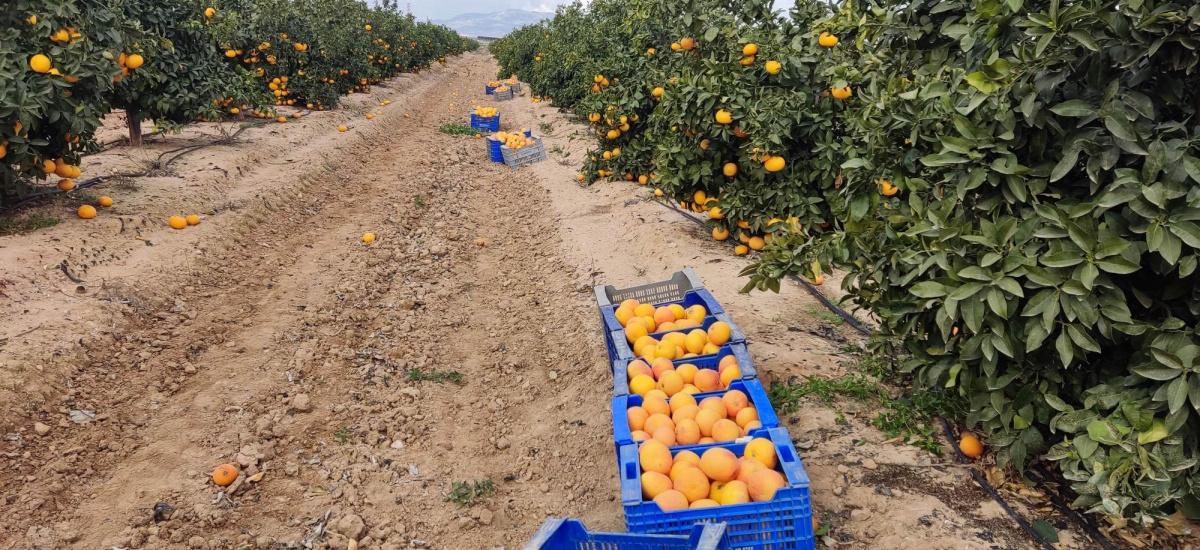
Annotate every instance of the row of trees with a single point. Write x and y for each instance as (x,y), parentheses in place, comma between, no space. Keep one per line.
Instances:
(1012,186)
(64,64)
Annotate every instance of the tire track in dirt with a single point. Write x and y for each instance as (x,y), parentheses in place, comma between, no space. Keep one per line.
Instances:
(298,298)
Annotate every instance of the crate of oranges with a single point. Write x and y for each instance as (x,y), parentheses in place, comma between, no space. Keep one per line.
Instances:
(502,93)
(486,119)
(490,88)
(758,488)
(699,374)
(521,149)
(691,418)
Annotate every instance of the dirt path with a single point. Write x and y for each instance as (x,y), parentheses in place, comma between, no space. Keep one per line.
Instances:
(363,380)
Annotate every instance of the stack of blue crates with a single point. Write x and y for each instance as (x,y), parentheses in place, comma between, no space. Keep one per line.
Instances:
(782,523)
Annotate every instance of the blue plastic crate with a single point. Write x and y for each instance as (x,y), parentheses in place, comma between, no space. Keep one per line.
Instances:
(619,347)
(570,534)
(783,523)
(489,124)
(752,388)
(494,151)
(489,89)
(712,361)
(701,297)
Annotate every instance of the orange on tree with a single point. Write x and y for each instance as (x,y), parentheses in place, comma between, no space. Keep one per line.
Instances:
(840,93)
(827,40)
(774,164)
(40,63)
(724,116)
(750,50)
(730,169)
(687,43)
(773,67)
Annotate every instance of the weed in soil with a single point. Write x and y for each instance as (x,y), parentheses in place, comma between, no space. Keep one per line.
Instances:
(415,374)
(12,225)
(466,494)
(457,129)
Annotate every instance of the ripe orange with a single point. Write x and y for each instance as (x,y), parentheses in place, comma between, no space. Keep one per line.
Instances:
(177,222)
(654,484)
(105,201)
(192,219)
(773,67)
(66,185)
(827,40)
(720,234)
(749,50)
(224,474)
(840,93)
(762,450)
(134,61)
(86,212)
(741,250)
(970,445)
(724,117)
(654,456)
(671,500)
(687,43)
(774,164)
(719,464)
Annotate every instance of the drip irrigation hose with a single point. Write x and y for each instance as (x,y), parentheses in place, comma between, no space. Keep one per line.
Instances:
(979,478)
(845,315)
(181,151)
(1066,510)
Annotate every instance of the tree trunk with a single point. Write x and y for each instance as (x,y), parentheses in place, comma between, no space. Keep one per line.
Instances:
(135,128)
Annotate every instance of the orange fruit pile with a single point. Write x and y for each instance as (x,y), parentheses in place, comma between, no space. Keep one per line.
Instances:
(680,420)
(717,477)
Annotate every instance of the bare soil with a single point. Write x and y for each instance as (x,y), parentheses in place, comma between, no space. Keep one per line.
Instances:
(271,337)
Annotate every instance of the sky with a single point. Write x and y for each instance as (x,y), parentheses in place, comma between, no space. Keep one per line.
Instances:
(444,9)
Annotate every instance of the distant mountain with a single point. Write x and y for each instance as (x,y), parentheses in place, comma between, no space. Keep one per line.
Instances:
(492,24)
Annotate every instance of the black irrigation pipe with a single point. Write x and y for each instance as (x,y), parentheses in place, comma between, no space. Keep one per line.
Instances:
(181,151)
(979,478)
(1066,510)
(845,315)
(987,488)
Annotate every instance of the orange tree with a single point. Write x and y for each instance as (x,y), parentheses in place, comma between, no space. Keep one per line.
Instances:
(57,63)
(1024,220)
(310,52)
(175,73)
(744,130)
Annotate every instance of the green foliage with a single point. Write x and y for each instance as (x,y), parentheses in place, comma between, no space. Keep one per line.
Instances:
(42,114)
(1040,257)
(466,494)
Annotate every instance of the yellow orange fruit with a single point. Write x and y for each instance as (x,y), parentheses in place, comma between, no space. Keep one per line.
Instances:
(720,233)
(105,201)
(762,485)
(970,446)
(705,419)
(691,482)
(86,212)
(177,222)
(670,383)
(671,500)
(641,384)
(735,401)
(636,416)
(773,67)
(39,63)
(724,116)
(633,331)
(744,417)
(741,250)
(750,49)
(827,40)
(719,333)
(686,412)
(749,467)
(726,430)
(762,450)
(774,164)
(653,484)
(655,456)
(687,432)
(665,434)
(655,405)
(707,380)
(687,372)
(719,464)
